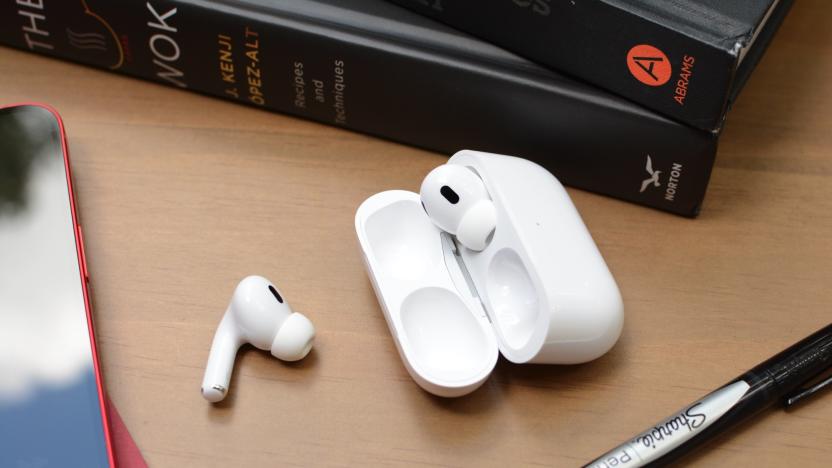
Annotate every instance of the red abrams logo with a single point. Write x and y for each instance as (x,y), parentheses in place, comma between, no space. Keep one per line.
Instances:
(649,65)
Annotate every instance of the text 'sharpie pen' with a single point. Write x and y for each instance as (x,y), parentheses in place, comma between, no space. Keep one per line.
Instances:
(780,378)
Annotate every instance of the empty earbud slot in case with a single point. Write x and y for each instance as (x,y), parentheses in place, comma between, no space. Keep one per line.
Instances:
(443,335)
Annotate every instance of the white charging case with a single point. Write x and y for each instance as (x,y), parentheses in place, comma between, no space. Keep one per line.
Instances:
(540,292)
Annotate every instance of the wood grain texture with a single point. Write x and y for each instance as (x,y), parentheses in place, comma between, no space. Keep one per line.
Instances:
(182,195)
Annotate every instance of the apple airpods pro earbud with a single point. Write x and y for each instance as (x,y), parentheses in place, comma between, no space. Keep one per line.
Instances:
(258,315)
(457,201)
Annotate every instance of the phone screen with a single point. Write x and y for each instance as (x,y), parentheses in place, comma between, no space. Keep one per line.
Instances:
(50,413)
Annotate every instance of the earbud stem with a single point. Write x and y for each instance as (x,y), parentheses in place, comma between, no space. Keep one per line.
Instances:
(224,349)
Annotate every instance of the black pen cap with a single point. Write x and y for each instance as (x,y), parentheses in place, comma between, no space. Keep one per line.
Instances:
(799,363)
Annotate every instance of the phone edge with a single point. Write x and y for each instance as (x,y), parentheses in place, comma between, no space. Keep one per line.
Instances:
(105,420)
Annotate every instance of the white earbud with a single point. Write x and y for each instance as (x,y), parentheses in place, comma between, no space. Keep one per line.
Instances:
(456,200)
(257,315)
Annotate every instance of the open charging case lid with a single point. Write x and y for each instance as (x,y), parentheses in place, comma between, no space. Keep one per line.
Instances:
(540,292)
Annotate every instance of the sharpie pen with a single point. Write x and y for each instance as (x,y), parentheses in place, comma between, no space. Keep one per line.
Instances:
(782,378)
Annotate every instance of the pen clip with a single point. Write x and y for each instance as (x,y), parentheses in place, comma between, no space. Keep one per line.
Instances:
(801,394)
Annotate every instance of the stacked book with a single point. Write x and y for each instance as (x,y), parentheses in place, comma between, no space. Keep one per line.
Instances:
(621,97)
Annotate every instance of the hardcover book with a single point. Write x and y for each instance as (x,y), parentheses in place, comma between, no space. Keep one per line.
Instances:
(373,67)
(686,59)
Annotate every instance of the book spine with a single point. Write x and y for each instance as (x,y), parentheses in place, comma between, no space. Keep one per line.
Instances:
(653,65)
(416,97)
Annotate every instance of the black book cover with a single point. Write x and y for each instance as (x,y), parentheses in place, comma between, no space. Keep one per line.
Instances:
(686,59)
(376,68)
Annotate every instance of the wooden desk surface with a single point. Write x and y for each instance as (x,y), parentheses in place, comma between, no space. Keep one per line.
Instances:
(182,195)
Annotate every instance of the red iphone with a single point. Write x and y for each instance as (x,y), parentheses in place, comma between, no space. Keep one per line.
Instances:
(52,410)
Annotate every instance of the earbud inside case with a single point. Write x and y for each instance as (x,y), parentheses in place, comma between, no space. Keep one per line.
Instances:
(540,291)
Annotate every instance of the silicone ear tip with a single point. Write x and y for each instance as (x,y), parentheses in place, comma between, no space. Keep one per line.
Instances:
(294,339)
(477,225)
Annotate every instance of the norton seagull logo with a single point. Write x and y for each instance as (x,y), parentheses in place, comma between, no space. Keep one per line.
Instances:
(654,176)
